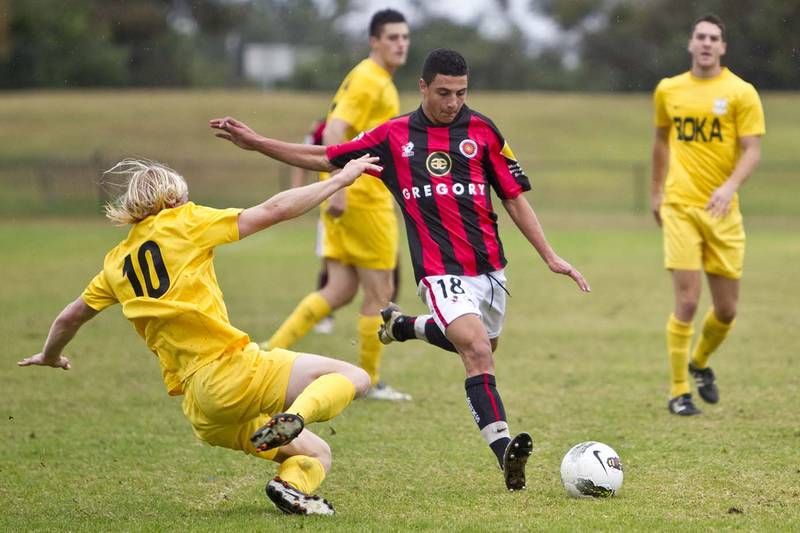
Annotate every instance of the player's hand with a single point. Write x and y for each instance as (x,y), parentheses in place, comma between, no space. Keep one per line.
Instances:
(39,360)
(720,200)
(655,207)
(236,132)
(559,266)
(355,167)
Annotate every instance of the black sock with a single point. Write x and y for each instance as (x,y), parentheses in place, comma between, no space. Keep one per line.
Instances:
(403,330)
(435,336)
(487,409)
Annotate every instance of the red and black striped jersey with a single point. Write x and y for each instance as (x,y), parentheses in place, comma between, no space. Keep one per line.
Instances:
(441,177)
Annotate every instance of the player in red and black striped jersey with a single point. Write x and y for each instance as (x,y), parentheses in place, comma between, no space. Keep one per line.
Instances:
(440,163)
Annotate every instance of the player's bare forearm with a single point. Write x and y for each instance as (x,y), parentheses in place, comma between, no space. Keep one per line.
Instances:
(294,202)
(523,215)
(63,329)
(307,156)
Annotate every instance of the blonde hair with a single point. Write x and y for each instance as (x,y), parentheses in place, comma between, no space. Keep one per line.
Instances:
(148,188)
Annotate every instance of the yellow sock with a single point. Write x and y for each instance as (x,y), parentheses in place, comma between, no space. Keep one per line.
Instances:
(308,312)
(714,332)
(371,348)
(679,338)
(324,398)
(302,472)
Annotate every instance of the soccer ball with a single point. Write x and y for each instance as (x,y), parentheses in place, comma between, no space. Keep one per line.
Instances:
(591,470)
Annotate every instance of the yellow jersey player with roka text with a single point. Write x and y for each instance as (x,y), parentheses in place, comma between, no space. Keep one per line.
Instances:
(235,395)
(709,123)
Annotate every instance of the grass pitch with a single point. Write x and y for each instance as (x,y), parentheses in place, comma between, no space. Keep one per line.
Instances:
(103,448)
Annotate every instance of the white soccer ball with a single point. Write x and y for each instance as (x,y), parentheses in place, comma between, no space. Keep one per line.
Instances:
(591,470)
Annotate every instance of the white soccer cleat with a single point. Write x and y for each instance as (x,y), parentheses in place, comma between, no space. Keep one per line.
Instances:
(292,501)
(325,326)
(382,391)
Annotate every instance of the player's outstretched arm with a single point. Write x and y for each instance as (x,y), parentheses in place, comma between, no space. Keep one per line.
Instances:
(294,202)
(64,327)
(526,220)
(307,156)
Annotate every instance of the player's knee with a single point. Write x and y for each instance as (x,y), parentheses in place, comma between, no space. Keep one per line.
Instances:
(725,314)
(322,452)
(686,307)
(477,357)
(360,379)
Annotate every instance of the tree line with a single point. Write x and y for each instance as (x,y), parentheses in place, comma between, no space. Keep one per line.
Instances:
(621,45)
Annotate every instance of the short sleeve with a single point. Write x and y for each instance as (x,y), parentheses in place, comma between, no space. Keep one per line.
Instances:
(355,104)
(749,113)
(209,227)
(98,294)
(661,118)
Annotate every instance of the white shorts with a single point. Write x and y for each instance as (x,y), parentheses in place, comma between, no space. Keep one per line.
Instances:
(449,297)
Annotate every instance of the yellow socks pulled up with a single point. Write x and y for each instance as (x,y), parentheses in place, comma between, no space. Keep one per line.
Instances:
(679,339)
(714,332)
(324,398)
(308,312)
(371,348)
(302,472)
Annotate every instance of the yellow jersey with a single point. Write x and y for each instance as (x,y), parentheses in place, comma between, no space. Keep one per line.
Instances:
(163,275)
(706,117)
(366,98)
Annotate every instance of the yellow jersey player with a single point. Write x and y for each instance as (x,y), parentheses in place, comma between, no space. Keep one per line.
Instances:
(234,395)
(360,227)
(709,124)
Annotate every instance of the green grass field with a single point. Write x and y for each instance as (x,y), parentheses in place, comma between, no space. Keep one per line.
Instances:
(103,448)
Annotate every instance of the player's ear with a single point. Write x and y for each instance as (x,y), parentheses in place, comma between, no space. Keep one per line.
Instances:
(422,85)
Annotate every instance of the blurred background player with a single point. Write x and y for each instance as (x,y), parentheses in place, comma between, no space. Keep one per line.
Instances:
(360,226)
(297,178)
(235,395)
(709,124)
(441,163)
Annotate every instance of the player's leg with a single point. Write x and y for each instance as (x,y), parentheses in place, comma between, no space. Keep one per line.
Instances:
(340,289)
(686,286)
(723,261)
(683,250)
(377,288)
(303,465)
(399,327)
(716,326)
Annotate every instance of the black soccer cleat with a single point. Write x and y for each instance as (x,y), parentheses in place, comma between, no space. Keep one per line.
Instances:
(706,383)
(279,431)
(683,406)
(292,501)
(514,460)
(389,315)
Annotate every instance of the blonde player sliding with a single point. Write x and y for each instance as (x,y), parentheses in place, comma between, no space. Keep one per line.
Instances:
(709,124)
(235,395)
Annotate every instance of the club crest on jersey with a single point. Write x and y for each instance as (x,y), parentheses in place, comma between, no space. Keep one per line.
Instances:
(468,148)
(720,106)
(438,164)
(407,149)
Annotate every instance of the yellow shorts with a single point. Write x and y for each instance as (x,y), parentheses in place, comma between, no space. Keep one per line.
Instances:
(230,398)
(362,238)
(694,240)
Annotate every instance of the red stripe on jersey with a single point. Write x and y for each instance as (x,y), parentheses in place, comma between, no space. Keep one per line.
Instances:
(478,130)
(452,221)
(432,296)
(509,187)
(431,255)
